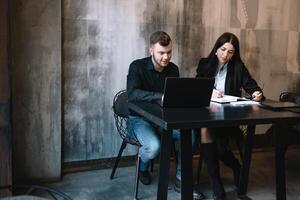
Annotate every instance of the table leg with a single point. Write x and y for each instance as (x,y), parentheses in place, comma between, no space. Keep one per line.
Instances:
(186,165)
(164,165)
(243,183)
(280,144)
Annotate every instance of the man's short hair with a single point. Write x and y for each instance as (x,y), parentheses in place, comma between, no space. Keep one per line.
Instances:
(160,37)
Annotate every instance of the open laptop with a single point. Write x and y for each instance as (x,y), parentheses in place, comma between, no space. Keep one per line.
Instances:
(187,92)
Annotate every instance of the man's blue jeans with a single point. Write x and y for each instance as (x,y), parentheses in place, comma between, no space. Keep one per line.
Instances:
(148,136)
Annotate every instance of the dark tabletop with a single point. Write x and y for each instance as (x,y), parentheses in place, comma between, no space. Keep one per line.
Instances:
(216,115)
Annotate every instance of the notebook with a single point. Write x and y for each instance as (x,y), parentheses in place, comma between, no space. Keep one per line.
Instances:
(279,104)
(228,99)
(187,92)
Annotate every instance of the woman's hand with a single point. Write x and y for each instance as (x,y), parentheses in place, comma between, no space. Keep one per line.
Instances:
(257,96)
(217,94)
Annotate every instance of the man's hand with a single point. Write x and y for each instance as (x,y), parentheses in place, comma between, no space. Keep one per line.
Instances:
(257,96)
(217,94)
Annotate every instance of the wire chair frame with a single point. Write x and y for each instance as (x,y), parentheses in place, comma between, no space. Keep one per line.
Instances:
(121,113)
(120,109)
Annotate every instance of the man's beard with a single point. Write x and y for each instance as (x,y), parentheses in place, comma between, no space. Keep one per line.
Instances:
(157,63)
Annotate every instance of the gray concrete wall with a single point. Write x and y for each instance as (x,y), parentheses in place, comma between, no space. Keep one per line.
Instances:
(36,88)
(101,38)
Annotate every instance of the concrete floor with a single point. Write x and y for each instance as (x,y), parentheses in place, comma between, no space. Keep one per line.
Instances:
(96,185)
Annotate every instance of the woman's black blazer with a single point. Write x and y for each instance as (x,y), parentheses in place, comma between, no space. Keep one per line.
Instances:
(237,78)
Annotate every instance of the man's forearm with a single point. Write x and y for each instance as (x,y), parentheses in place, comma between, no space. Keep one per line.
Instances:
(144,95)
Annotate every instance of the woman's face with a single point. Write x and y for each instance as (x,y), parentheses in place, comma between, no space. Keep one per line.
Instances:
(225,53)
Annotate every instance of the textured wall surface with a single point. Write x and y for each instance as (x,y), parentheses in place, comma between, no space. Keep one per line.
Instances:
(5,133)
(101,38)
(36,88)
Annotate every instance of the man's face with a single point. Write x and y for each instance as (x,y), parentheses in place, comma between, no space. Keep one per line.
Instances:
(161,55)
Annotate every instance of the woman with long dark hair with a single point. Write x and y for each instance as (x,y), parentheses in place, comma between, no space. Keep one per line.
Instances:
(231,76)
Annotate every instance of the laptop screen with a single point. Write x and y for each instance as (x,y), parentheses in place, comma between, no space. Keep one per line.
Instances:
(187,92)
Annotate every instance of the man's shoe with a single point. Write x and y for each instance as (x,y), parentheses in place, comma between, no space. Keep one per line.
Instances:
(145,177)
(196,194)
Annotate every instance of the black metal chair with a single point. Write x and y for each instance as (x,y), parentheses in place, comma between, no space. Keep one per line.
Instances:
(292,130)
(121,112)
(290,97)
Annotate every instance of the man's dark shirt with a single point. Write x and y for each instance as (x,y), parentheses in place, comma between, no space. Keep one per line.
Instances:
(144,83)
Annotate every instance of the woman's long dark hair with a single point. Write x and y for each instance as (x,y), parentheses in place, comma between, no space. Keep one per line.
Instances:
(224,38)
(212,58)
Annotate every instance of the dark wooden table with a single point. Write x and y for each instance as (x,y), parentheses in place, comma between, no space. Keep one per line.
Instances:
(216,115)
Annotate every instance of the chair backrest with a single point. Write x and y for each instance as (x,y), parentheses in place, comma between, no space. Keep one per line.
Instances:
(120,104)
(290,97)
(121,113)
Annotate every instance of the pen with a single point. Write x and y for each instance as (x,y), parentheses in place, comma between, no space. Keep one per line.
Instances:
(257,94)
